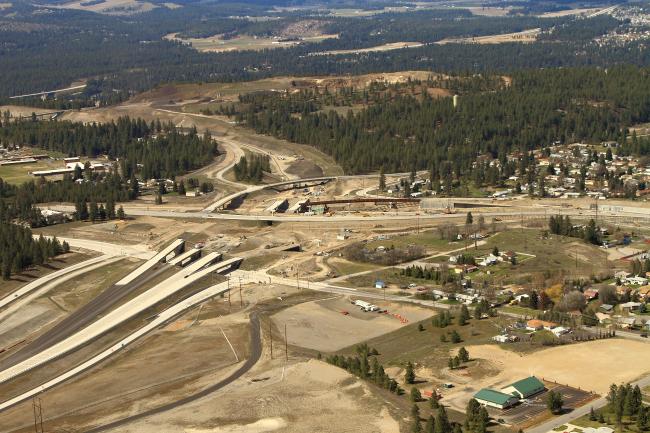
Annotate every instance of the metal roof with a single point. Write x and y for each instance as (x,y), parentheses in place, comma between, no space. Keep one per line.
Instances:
(493,396)
(528,385)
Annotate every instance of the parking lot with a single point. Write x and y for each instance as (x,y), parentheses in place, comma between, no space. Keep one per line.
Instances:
(535,406)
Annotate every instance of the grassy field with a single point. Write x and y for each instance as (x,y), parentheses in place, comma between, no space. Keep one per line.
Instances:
(346,267)
(425,348)
(539,259)
(79,290)
(20,173)
(629,424)
(429,240)
(261,261)
(242,42)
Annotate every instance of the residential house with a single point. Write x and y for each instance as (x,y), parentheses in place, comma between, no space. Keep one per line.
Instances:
(607,308)
(590,294)
(625,322)
(559,331)
(636,281)
(536,325)
(644,292)
(630,306)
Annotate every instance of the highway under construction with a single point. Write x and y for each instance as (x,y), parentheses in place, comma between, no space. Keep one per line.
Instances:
(112,307)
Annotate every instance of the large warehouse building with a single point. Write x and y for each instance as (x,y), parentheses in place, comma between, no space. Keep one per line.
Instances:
(511,394)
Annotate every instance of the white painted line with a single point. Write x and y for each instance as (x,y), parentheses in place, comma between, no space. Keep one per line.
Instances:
(231,348)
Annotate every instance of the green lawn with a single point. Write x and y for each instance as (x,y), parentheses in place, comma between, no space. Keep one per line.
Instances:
(515,309)
(430,240)
(629,424)
(346,267)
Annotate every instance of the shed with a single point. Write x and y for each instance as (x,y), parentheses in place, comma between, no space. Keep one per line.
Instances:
(379,284)
(524,388)
(492,398)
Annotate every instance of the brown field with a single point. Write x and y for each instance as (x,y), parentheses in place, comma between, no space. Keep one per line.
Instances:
(322,326)
(216,44)
(301,397)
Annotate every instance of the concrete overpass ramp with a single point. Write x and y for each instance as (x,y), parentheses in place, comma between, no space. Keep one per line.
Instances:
(164,255)
(200,264)
(121,314)
(186,258)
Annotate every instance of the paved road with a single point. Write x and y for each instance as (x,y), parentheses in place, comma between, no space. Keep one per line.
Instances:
(159,320)
(577,413)
(392,216)
(81,318)
(29,288)
(255,354)
(114,318)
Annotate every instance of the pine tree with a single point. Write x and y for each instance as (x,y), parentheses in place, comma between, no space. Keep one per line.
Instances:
(463,354)
(409,375)
(442,421)
(430,425)
(416,396)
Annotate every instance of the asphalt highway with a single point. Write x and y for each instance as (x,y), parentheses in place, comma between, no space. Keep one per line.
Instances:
(81,318)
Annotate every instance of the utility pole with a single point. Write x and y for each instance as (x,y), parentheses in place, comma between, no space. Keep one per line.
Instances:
(37,408)
(286,347)
(271,336)
(297,279)
(241,300)
(229,304)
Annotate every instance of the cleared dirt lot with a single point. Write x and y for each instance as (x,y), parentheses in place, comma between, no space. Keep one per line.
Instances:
(591,366)
(303,397)
(323,326)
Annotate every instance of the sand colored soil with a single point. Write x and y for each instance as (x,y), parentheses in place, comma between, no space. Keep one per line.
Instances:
(309,396)
(324,326)
(591,366)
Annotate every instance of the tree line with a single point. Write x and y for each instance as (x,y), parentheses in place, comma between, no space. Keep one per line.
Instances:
(152,150)
(19,250)
(252,168)
(537,108)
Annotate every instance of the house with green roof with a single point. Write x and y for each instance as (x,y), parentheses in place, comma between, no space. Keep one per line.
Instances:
(525,388)
(492,398)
